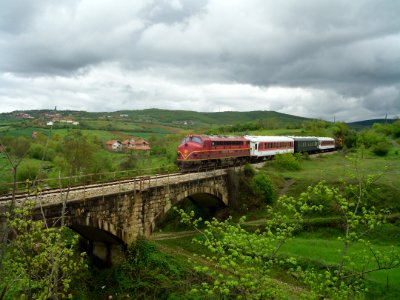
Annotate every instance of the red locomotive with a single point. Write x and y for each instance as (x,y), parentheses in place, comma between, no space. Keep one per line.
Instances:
(200,151)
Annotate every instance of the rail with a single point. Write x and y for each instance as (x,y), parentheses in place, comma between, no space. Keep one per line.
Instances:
(137,183)
(84,182)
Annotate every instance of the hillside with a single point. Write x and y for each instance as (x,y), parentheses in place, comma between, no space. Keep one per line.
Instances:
(365,124)
(171,117)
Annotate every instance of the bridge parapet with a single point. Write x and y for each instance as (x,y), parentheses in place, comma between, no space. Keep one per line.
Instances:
(126,209)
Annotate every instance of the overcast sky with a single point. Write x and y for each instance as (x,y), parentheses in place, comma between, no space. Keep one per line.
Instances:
(308,58)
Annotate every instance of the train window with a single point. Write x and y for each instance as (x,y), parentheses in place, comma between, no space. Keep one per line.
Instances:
(185,140)
(196,139)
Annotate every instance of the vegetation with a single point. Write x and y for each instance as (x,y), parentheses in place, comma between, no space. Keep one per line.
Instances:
(39,262)
(243,259)
(308,233)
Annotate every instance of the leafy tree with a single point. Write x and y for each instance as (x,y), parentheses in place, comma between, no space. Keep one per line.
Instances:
(381,149)
(316,127)
(263,186)
(78,152)
(100,162)
(40,262)
(130,162)
(344,135)
(347,278)
(36,151)
(243,261)
(249,171)
(27,170)
(287,161)
(369,138)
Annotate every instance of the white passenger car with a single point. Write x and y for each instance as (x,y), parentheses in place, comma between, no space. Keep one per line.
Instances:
(265,147)
(326,144)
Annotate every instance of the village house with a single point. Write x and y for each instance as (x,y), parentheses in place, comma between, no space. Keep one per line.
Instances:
(141,144)
(135,144)
(114,145)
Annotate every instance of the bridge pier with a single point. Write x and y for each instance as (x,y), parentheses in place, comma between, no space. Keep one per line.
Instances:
(108,253)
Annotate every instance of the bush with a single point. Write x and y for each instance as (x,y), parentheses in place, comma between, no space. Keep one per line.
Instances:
(263,186)
(27,171)
(36,151)
(248,170)
(287,161)
(370,138)
(381,149)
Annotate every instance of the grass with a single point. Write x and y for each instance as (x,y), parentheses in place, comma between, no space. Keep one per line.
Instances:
(326,251)
(318,245)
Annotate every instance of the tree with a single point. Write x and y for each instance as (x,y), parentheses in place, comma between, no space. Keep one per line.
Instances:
(40,262)
(344,135)
(263,186)
(243,261)
(78,152)
(37,262)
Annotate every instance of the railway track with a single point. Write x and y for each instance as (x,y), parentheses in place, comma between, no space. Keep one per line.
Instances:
(136,181)
(56,191)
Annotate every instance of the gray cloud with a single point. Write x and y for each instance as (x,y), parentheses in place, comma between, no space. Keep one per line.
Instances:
(310,58)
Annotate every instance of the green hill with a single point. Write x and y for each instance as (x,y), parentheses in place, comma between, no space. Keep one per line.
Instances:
(173,117)
(206,118)
(365,124)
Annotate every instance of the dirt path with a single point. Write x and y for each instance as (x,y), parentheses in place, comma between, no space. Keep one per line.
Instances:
(158,236)
(286,187)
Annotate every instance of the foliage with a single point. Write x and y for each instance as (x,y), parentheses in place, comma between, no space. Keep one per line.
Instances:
(130,162)
(263,186)
(27,171)
(16,146)
(77,151)
(369,138)
(316,127)
(36,151)
(344,135)
(381,149)
(248,170)
(287,161)
(388,129)
(40,262)
(145,274)
(243,261)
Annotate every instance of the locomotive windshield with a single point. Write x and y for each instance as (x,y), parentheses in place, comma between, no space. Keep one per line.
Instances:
(185,140)
(194,139)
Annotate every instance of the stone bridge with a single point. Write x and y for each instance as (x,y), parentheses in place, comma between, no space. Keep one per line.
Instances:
(108,216)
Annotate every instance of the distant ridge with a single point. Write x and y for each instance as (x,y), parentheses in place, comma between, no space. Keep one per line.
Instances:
(368,123)
(164,116)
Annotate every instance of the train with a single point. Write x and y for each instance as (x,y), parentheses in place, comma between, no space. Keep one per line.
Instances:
(199,152)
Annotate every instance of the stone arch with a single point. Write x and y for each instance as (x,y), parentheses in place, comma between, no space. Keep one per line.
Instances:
(217,192)
(100,241)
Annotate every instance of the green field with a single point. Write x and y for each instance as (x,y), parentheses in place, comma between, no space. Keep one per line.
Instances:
(318,244)
(315,245)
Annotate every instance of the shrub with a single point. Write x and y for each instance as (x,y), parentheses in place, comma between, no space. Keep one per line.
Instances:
(381,149)
(287,161)
(248,170)
(263,186)
(370,138)
(36,151)
(27,171)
